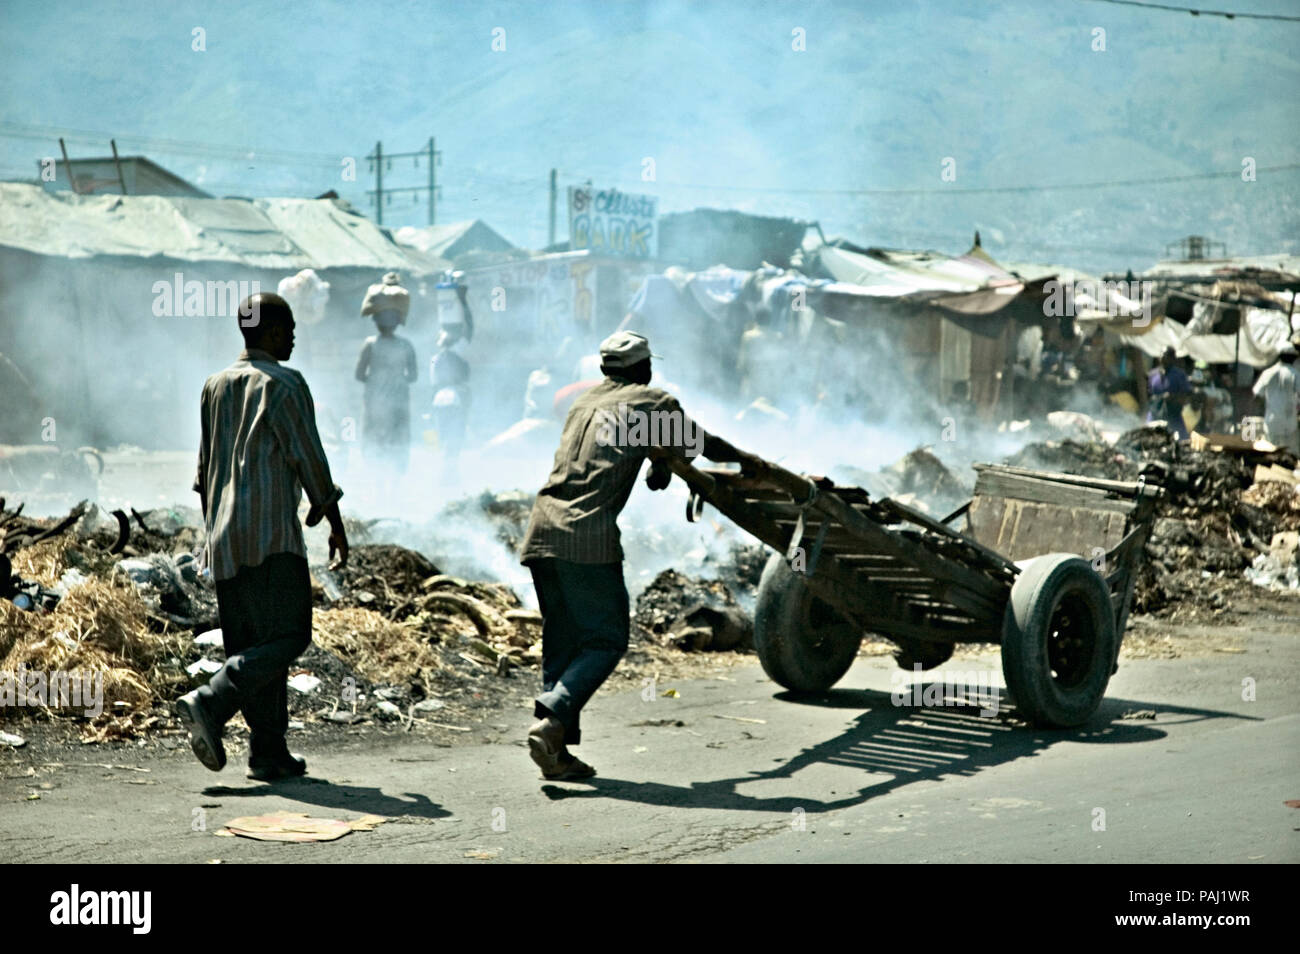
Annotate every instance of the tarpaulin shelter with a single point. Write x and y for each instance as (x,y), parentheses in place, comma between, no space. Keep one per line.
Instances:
(117,307)
(1254,335)
(941,315)
(950,314)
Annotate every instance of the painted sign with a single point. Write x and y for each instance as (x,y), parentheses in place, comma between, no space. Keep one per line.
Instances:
(609,222)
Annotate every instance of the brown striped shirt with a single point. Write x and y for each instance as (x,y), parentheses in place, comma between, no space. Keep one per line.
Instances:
(575,515)
(259,450)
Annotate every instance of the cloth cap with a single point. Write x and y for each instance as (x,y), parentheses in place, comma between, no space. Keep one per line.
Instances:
(623,349)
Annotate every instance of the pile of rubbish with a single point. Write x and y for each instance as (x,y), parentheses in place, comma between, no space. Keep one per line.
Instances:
(1068,456)
(692,614)
(380,577)
(918,479)
(921,478)
(125,597)
(1228,507)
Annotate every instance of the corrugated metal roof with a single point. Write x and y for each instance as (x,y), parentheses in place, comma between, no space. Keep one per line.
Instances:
(280,234)
(453,239)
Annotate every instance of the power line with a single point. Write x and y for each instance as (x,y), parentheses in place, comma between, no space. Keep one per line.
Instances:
(979,190)
(1197,12)
(32,131)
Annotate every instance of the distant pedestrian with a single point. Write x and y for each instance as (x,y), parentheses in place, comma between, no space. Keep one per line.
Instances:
(259,450)
(1278,387)
(1169,389)
(387,367)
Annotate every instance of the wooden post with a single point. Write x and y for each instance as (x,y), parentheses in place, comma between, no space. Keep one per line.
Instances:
(379,183)
(117,163)
(67,167)
(551,228)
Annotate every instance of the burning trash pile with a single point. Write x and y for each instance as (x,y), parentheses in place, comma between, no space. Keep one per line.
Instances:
(391,631)
(1231,511)
(396,638)
(67,613)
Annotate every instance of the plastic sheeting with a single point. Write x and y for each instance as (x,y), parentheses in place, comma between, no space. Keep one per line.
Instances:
(968,288)
(279,234)
(1257,343)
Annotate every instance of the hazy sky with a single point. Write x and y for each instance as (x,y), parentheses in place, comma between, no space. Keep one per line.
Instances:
(1016,94)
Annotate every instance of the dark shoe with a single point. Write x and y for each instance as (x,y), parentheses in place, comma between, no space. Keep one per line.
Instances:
(570,769)
(545,743)
(276,770)
(205,732)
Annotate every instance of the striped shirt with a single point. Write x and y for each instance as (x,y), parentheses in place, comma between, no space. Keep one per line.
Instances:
(575,515)
(259,450)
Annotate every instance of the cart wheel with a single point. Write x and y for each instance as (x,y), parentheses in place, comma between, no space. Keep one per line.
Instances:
(914,651)
(1058,641)
(802,642)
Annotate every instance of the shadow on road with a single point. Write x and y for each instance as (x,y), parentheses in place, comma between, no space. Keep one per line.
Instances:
(326,794)
(896,745)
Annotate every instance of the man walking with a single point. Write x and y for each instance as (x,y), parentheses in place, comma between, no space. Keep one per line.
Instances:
(259,450)
(1169,389)
(572,543)
(1277,387)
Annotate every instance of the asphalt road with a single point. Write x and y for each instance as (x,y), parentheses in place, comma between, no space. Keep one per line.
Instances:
(749,775)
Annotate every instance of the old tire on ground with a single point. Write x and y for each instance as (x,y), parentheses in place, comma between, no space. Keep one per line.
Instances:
(914,652)
(1058,641)
(802,642)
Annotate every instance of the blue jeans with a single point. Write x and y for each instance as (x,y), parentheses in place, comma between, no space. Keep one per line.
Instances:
(585,626)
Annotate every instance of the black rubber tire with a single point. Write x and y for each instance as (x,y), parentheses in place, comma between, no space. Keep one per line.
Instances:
(927,654)
(802,642)
(1058,641)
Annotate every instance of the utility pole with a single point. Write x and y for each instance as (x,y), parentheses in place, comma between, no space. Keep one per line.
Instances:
(551,230)
(433,183)
(378,194)
(117,164)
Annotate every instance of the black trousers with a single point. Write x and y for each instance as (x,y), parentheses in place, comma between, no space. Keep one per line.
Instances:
(585,625)
(265,614)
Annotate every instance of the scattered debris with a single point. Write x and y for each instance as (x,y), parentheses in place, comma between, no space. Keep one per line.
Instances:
(202,670)
(297,827)
(1215,522)
(304,682)
(212,638)
(381,577)
(1138,714)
